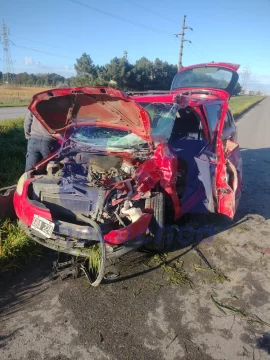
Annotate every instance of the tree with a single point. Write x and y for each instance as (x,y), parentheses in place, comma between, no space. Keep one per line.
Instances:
(163,73)
(143,74)
(86,70)
(237,89)
(119,73)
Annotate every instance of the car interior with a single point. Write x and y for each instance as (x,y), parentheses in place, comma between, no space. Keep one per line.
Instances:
(187,124)
(187,140)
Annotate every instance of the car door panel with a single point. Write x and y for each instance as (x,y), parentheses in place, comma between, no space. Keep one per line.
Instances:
(233,155)
(228,168)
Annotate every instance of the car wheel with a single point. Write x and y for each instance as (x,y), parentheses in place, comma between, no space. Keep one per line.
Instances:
(155,236)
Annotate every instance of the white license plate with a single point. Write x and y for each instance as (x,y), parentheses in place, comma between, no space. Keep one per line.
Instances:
(43,226)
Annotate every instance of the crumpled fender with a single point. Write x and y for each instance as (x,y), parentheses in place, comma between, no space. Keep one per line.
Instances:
(162,168)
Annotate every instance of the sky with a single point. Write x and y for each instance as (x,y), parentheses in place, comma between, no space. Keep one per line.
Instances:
(48,36)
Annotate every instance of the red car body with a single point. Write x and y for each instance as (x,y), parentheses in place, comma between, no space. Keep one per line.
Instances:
(201,171)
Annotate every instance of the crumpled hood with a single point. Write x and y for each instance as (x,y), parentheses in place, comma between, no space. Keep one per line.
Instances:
(59,109)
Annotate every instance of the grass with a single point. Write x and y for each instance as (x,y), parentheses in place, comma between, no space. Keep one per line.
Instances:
(176,274)
(17,95)
(15,247)
(250,318)
(21,96)
(94,259)
(240,104)
(12,150)
(217,274)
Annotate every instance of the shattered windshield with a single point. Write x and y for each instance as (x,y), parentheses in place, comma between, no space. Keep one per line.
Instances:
(162,116)
(106,138)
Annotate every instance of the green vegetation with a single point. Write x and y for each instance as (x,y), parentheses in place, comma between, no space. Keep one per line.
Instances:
(12,150)
(94,259)
(119,72)
(13,103)
(240,104)
(49,80)
(11,96)
(176,274)
(15,246)
(250,318)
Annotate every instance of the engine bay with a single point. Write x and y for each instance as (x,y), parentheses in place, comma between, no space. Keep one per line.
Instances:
(98,186)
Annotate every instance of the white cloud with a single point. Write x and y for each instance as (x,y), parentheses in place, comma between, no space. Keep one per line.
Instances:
(28,60)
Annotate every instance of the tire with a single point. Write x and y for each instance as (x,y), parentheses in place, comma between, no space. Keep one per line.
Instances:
(156,241)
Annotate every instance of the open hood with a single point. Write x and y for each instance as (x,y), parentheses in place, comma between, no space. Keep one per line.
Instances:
(59,109)
(221,77)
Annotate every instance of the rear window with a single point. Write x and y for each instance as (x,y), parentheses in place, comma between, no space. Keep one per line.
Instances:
(203,77)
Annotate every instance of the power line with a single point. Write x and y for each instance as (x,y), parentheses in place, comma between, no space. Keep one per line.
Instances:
(194,51)
(120,18)
(153,12)
(34,41)
(201,54)
(45,66)
(162,16)
(202,42)
(42,52)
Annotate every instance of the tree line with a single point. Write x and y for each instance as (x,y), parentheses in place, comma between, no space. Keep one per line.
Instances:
(120,73)
(46,80)
(143,75)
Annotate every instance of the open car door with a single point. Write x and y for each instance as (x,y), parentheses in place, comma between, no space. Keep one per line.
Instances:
(220,169)
(228,177)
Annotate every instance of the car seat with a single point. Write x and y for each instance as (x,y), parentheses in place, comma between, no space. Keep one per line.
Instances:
(187,124)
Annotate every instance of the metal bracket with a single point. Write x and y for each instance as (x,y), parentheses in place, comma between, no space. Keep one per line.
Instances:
(66,269)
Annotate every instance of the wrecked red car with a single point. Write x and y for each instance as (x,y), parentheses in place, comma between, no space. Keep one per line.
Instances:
(129,164)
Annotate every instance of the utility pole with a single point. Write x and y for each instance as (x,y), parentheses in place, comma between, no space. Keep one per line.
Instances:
(125,54)
(8,69)
(184,27)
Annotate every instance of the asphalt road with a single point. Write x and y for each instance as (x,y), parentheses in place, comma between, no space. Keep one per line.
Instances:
(143,314)
(12,112)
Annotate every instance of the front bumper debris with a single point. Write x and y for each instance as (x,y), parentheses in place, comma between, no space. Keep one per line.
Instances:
(79,248)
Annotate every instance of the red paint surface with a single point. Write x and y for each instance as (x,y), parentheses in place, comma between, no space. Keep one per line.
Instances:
(25,210)
(104,107)
(139,227)
(162,168)
(225,194)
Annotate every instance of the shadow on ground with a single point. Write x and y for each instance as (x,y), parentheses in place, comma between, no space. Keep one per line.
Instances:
(131,299)
(190,231)
(17,287)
